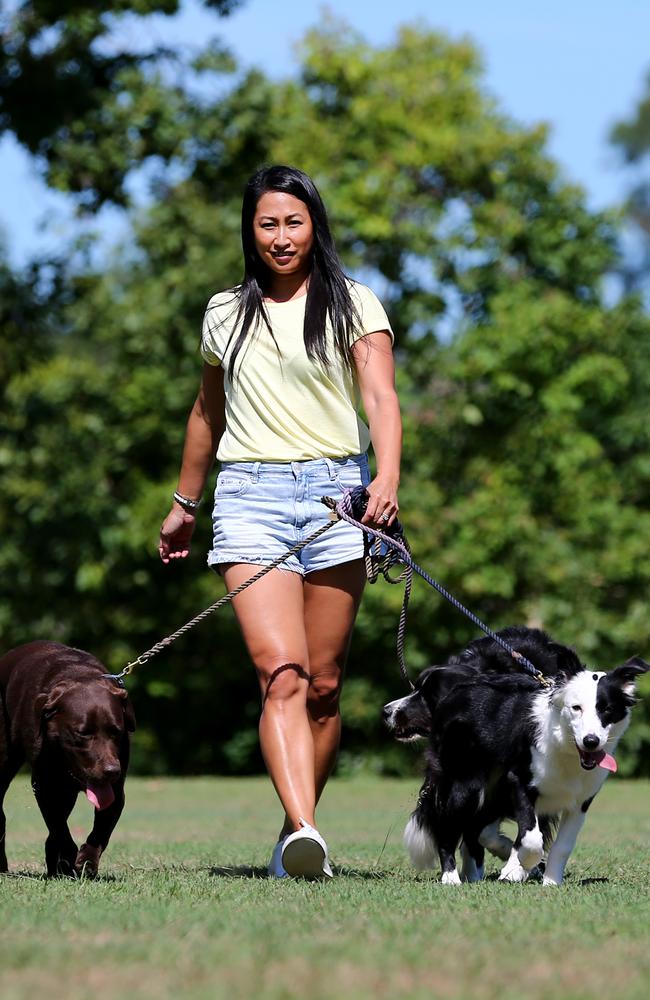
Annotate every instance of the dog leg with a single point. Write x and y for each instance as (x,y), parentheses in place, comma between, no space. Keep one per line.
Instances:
(9,769)
(570,826)
(447,844)
(472,869)
(531,848)
(513,871)
(528,848)
(87,860)
(495,842)
(4,867)
(60,849)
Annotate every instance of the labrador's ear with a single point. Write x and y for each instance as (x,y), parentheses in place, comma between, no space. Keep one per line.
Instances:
(129,714)
(49,703)
(46,707)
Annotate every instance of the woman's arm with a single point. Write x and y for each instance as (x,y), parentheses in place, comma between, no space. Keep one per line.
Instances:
(373,355)
(205,425)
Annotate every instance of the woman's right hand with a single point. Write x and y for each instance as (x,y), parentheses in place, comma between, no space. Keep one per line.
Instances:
(176,534)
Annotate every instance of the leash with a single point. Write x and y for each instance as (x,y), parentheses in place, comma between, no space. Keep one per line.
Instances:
(226,599)
(351,508)
(354,503)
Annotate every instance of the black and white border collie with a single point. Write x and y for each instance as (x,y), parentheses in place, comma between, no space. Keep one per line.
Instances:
(501,746)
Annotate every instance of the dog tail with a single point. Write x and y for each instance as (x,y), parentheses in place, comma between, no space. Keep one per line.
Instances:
(420,844)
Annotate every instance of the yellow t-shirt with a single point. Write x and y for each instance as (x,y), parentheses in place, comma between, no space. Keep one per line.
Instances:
(282,406)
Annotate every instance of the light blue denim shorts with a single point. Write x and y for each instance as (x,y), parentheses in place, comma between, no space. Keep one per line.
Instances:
(261,509)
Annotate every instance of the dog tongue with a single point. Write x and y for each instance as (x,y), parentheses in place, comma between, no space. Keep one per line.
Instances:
(608,762)
(101,796)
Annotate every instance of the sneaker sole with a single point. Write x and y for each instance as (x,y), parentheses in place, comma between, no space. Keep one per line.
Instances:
(304,857)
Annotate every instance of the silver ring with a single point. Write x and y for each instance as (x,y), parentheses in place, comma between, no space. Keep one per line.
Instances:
(385,517)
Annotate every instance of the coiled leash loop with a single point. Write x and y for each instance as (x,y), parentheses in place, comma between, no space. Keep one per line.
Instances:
(352,508)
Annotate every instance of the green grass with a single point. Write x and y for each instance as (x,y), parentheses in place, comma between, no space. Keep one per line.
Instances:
(182,909)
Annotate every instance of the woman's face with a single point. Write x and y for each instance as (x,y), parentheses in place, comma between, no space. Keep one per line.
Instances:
(283,232)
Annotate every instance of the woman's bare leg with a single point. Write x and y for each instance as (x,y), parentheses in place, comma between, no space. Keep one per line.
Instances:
(271,618)
(332,598)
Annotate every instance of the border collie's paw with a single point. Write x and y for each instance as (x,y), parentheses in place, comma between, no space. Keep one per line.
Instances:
(450,878)
(513,871)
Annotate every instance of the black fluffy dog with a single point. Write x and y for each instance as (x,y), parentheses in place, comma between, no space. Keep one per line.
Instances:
(502,746)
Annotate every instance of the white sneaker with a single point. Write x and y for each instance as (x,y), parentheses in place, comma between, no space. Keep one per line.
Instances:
(305,853)
(275,868)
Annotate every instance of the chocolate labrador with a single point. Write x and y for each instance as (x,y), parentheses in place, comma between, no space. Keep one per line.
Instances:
(62,715)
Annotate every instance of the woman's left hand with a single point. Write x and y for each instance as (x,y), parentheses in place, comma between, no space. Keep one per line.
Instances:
(382,506)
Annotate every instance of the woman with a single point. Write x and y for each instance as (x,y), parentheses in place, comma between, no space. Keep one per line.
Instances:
(286,354)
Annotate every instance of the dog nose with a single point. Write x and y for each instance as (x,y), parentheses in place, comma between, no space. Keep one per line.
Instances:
(112,772)
(590,741)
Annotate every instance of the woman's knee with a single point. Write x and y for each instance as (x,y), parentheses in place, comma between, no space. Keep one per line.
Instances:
(324,693)
(283,681)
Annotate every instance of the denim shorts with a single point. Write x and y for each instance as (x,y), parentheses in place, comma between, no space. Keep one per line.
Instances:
(261,509)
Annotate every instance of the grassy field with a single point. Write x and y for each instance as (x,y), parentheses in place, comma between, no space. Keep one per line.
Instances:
(183,908)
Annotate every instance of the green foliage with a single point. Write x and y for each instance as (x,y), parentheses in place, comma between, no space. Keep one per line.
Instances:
(632,139)
(526,479)
(87,106)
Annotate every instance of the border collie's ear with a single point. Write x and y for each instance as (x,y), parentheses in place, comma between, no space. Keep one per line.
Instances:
(631,669)
(627,673)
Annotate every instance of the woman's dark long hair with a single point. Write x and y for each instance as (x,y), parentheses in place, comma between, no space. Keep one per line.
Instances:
(328,292)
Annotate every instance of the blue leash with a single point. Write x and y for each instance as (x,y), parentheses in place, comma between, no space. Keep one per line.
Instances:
(351,508)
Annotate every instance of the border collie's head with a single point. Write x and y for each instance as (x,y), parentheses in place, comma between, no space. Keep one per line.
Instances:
(594,710)
(409,718)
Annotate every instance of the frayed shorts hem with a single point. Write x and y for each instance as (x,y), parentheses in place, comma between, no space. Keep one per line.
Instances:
(223,559)
(216,562)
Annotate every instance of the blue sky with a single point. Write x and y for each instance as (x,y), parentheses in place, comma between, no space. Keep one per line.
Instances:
(577,64)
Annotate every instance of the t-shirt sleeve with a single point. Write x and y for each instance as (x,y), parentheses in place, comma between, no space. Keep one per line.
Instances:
(210,334)
(371,311)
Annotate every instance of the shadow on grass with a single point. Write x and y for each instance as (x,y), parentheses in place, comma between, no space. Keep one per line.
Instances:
(238,871)
(42,877)
(258,872)
(538,878)
(254,871)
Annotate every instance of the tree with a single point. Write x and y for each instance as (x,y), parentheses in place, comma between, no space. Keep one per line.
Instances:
(632,139)
(88,108)
(526,481)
